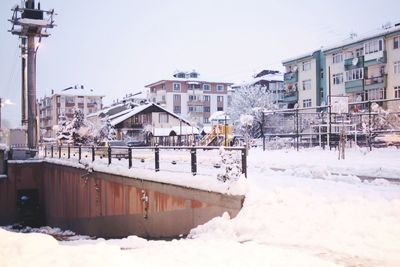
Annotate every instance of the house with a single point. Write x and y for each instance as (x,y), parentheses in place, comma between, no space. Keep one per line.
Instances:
(148,122)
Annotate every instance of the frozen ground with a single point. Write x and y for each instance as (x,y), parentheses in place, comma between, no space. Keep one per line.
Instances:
(303,216)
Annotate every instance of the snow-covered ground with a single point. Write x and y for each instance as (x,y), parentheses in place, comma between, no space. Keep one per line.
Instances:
(307,215)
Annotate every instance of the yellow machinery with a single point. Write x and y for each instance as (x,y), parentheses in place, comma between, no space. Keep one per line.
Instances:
(220,134)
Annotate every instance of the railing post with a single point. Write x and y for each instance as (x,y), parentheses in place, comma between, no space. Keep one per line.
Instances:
(79,152)
(52,152)
(193,158)
(69,152)
(45,151)
(157,158)
(244,161)
(109,155)
(92,153)
(59,152)
(369,126)
(130,157)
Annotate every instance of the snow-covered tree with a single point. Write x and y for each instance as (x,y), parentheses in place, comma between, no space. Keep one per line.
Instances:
(81,130)
(381,120)
(251,100)
(107,132)
(62,133)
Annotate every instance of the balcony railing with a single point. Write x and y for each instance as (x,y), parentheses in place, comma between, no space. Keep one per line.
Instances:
(354,63)
(195,102)
(375,82)
(354,86)
(290,77)
(290,96)
(376,61)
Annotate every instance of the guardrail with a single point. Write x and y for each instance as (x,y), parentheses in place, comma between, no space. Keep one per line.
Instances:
(125,152)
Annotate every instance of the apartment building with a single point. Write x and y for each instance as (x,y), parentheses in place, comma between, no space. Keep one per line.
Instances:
(271,81)
(304,80)
(65,102)
(363,68)
(191,96)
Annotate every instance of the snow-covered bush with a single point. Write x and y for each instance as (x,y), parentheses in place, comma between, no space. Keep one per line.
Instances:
(230,166)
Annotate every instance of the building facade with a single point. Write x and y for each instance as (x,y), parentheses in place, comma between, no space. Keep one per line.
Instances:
(365,68)
(190,96)
(65,102)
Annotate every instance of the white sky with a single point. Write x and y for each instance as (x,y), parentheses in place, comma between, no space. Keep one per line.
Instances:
(118,47)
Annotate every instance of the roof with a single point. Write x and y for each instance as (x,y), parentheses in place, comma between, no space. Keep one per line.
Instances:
(364,37)
(178,130)
(107,110)
(77,91)
(125,114)
(299,57)
(193,80)
(268,77)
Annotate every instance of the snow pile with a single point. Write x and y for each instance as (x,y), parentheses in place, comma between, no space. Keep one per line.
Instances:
(305,216)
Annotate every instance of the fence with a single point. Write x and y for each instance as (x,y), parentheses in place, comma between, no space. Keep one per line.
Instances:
(319,126)
(123,152)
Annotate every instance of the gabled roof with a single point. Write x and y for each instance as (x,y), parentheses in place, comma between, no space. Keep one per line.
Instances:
(126,114)
(198,80)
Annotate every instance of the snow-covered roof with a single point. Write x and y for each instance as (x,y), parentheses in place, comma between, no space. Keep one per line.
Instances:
(37,22)
(161,131)
(191,80)
(77,92)
(219,115)
(185,130)
(105,110)
(268,77)
(125,114)
(370,35)
(301,56)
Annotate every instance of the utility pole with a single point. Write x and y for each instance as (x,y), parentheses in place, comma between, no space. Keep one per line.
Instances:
(29,23)
(24,88)
(1,103)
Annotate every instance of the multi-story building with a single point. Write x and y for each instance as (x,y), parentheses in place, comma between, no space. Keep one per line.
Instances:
(191,96)
(271,81)
(65,102)
(364,68)
(304,80)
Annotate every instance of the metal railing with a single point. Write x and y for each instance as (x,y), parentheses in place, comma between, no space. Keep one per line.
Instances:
(94,153)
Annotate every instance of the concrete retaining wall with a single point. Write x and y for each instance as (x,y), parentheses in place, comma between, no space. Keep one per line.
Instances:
(107,205)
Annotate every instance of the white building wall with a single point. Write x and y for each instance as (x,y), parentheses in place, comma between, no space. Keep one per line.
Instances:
(213,103)
(307,75)
(335,68)
(393,79)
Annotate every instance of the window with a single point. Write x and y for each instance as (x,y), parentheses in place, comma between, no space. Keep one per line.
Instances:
(190,109)
(220,108)
(337,58)
(396,42)
(306,65)
(396,68)
(306,103)
(220,99)
(69,100)
(220,87)
(337,78)
(206,120)
(373,46)
(177,109)
(359,52)
(163,118)
(177,98)
(397,92)
(192,97)
(307,85)
(355,74)
(375,94)
(206,87)
(177,86)
(206,98)
(206,109)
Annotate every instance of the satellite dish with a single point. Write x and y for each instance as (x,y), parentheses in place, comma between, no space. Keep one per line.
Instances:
(358,98)
(296,105)
(355,61)
(295,68)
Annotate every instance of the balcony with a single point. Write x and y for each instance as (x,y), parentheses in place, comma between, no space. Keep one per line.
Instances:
(354,86)
(354,63)
(375,82)
(195,102)
(291,96)
(377,61)
(290,77)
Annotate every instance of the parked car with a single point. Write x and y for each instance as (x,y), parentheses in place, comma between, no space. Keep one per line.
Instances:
(119,149)
(385,140)
(133,143)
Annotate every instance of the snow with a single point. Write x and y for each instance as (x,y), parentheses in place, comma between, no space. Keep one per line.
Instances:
(38,22)
(305,215)
(268,77)
(4,147)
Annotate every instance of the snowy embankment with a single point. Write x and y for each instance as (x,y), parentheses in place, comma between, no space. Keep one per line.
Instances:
(299,217)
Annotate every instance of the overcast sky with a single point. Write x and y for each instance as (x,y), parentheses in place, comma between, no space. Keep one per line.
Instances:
(117,47)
